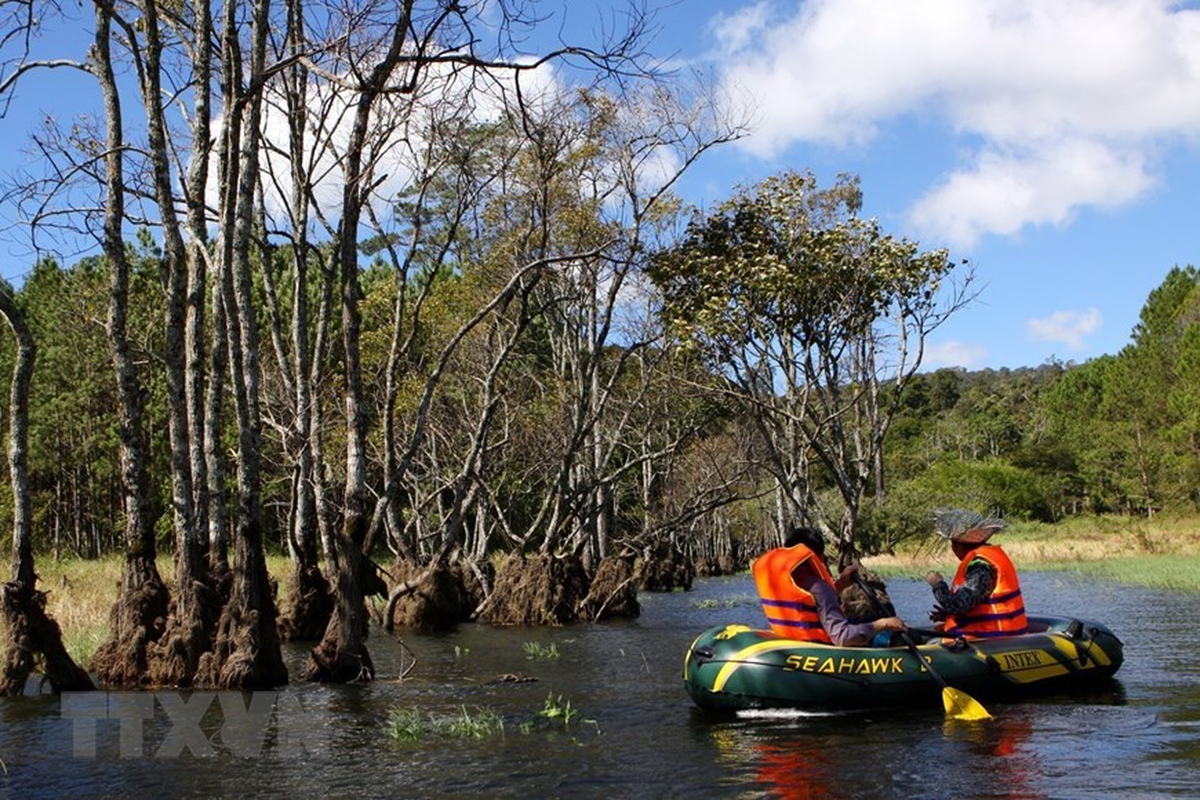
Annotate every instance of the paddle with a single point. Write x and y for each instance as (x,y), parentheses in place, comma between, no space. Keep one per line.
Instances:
(959,704)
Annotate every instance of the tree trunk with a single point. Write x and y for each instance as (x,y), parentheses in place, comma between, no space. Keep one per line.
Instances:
(246,652)
(310,603)
(195,607)
(29,631)
(342,654)
(139,613)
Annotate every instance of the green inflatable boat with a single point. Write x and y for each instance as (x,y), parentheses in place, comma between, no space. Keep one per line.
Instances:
(733,667)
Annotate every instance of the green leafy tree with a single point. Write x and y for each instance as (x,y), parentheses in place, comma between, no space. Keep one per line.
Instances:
(817,319)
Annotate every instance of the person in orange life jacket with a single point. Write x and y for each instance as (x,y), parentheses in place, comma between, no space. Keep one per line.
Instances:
(984,599)
(800,597)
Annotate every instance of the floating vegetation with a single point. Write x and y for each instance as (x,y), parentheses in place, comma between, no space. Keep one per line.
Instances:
(415,725)
(536,651)
(556,709)
(725,602)
(411,724)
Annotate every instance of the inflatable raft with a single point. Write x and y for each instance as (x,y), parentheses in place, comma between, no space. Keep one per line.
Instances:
(734,667)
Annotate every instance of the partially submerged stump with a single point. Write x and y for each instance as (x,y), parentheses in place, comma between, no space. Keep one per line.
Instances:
(31,632)
(537,590)
(613,593)
(437,601)
(310,605)
(665,569)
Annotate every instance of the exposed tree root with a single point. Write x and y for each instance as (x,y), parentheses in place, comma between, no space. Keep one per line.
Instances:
(31,632)
(175,658)
(536,590)
(246,653)
(613,592)
(341,656)
(330,664)
(433,599)
(136,622)
(310,605)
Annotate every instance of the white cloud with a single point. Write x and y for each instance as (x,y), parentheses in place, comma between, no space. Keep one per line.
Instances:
(1037,91)
(1004,191)
(1065,327)
(953,354)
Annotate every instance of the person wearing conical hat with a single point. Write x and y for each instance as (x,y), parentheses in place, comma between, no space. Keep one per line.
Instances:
(983,600)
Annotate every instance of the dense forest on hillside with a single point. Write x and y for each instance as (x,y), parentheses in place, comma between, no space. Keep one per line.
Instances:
(373,291)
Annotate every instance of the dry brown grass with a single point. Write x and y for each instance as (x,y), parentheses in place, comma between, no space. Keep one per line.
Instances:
(1080,540)
(79,595)
(1163,553)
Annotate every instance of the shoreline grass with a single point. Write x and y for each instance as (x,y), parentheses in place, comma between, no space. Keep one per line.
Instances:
(1159,553)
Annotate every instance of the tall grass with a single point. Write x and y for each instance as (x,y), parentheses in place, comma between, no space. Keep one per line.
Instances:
(1174,572)
(79,596)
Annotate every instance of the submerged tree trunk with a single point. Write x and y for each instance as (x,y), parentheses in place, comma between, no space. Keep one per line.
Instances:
(29,631)
(140,611)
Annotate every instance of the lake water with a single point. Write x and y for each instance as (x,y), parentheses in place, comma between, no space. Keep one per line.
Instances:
(634,732)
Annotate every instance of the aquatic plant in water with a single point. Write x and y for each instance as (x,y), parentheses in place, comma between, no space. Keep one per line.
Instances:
(536,651)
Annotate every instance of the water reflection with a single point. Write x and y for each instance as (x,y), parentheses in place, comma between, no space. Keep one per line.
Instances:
(1006,738)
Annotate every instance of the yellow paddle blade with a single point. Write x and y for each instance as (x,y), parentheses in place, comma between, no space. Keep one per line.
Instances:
(960,705)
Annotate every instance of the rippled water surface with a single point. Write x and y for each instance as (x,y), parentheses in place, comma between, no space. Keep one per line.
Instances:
(634,731)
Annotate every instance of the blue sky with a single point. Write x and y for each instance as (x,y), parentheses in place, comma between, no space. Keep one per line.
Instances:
(1053,144)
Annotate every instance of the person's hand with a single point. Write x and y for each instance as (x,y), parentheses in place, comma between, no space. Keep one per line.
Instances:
(938,614)
(933,577)
(890,624)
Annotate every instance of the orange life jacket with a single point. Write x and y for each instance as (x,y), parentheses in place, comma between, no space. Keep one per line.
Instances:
(1002,614)
(791,610)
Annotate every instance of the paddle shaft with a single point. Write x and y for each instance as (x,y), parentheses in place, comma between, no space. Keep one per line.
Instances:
(959,704)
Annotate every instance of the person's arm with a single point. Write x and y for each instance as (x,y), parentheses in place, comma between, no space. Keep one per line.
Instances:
(978,584)
(841,631)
